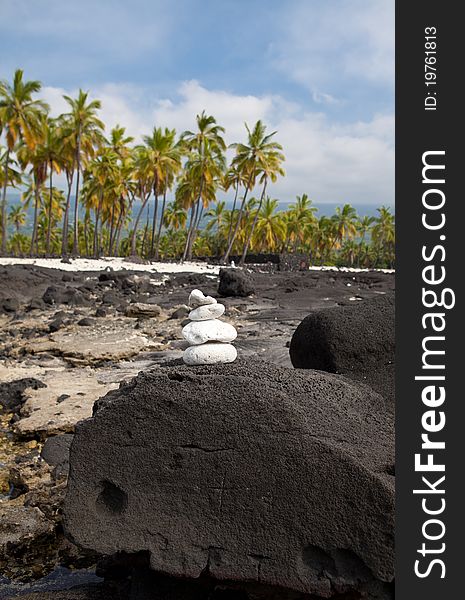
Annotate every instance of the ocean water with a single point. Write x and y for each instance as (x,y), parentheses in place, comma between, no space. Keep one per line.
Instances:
(326,209)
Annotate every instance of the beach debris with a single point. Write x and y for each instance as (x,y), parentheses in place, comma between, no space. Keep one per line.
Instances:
(208,337)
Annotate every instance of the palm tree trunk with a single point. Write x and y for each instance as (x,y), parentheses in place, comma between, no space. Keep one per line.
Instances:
(189,232)
(119,227)
(86,237)
(50,210)
(112,229)
(76,200)
(64,233)
(5,185)
(249,237)
(232,215)
(146,228)
(36,216)
(193,232)
(96,226)
(160,225)
(136,224)
(154,222)
(199,214)
(239,218)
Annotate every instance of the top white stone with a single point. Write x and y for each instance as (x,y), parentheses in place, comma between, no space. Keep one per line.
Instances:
(197,298)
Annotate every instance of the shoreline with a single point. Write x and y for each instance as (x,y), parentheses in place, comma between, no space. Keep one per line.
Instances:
(117,263)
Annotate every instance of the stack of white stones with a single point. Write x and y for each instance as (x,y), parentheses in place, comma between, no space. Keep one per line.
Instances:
(209,338)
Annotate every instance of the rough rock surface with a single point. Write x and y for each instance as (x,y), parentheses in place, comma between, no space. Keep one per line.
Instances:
(248,472)
(55,452)
(355,340)
(142,311)
(67,398)
(235,282)
(12,395)
(112,341)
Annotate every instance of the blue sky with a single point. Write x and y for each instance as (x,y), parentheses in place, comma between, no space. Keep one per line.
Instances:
(321,72)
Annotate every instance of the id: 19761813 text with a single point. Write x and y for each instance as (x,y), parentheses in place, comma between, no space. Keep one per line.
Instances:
(431,100)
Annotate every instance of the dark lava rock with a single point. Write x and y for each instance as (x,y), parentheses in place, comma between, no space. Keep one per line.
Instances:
(180,313)
(36,304)
(141,310)
(9,305)
(56,324)
(111,297)
(55,452)
(235,282)
(248,472)
(67,295)
(67,276)
(356,340)
(12,393)
(86,322)
(101,312)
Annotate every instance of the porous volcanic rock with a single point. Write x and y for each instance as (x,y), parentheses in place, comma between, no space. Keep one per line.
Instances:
(356,340)
(247,472)
(235,282)
(12,395)
(142,311)
(67,295)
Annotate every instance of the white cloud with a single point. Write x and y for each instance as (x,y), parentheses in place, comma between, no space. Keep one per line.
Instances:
(325,43)
(349,162)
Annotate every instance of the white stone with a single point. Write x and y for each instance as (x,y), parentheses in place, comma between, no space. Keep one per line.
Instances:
(199,332)
(207,311)
(197,298)
(209,354)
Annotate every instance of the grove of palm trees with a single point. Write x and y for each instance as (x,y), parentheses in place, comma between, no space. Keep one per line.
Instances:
(175,195)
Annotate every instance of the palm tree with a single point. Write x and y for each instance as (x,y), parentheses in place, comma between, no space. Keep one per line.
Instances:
(250,160)
(383,234)
(345,222)
(143,177)
(164,155)
(17,216)
(52,210)
(13,176)
(270,228)
(206,164)
(175,216)
(85,131)
(49,152)
(300,215)
(363,227)
(268,168)
(233,178)
(119,142)
(101,173)
(20,117)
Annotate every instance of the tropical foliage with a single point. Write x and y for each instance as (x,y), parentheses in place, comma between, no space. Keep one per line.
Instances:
(168,197)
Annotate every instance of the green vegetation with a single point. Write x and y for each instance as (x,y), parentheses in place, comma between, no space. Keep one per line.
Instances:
(171,182)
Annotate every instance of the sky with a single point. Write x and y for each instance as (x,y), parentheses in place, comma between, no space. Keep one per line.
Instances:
(319,72)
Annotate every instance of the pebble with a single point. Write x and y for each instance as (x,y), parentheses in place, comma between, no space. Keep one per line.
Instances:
(209,354)
(206,312)
(199,332)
